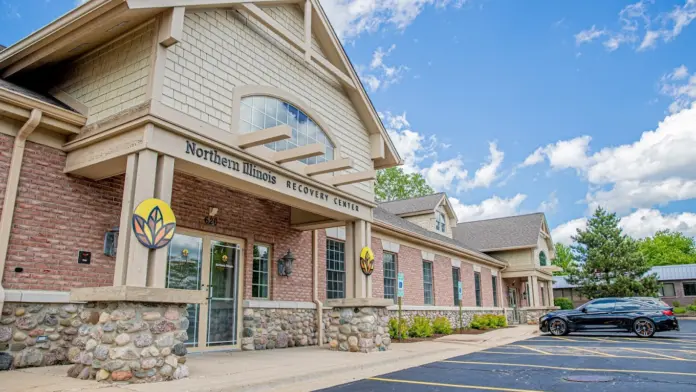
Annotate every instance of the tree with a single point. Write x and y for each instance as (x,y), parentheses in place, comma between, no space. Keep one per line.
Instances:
(394,184)
(668,248)
(564,259)
(609,262)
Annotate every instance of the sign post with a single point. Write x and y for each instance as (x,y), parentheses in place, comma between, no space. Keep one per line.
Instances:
(400,295)
(461,296)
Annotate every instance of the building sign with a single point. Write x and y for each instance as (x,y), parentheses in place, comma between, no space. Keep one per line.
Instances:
(400,285)
(287,186)
(367,261)
(154,223)
(460,292)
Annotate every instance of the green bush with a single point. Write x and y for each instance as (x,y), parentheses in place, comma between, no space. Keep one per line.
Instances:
(488,321)
(679,310)
(676,304)
(563,303)
(692,308)
(394,324)
(442,326)
(420,328)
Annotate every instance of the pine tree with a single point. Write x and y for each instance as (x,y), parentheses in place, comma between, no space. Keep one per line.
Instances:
(609,262)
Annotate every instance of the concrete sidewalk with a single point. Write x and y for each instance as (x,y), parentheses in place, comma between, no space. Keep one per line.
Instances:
(297,369)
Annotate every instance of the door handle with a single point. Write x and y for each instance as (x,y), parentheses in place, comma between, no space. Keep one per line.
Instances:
(210,294)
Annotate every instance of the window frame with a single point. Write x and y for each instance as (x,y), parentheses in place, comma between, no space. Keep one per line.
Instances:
(477,289)
(267,272)
(395,261)
(455,285)
(494,283)
(342,271)
(601,301)
(661,290)
(684,288)
(440,220)
(430,283)
(543,260)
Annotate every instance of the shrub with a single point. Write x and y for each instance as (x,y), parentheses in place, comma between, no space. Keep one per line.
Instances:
(679,310)
(487,321)
(676,304)
(394,324)
(442,326)
(420,328)
(692,308)
(563,303)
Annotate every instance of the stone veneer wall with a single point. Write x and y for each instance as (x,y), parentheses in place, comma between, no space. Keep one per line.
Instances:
(359,330)
(267,329)
(452,315)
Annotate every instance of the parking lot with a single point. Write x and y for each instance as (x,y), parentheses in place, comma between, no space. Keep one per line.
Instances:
(577,362)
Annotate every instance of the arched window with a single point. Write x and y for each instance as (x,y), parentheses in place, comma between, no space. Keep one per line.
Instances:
(542,258)
(262,112)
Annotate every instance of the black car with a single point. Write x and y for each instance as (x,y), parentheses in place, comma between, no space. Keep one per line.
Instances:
(611,315)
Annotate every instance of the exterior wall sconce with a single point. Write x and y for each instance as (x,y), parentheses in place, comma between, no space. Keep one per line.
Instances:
(285,264)
(111,242)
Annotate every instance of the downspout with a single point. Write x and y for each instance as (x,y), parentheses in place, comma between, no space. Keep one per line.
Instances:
(8,205)
(315,289)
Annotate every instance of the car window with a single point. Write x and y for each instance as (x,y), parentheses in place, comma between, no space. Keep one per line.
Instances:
(601,305)
(627,306)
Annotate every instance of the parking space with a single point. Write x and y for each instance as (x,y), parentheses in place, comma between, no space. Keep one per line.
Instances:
(577,362)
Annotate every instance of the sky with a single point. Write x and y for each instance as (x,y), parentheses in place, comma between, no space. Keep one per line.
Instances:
(515,107)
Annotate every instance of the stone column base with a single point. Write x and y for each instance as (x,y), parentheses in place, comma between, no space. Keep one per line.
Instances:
(133,342)
(359,326)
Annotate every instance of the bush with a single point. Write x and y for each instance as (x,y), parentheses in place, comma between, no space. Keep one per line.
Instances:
(420,328)
(676,304)
(679,310)
(563,303)
(691,308)
(488,321)
(394,332)
(442,326)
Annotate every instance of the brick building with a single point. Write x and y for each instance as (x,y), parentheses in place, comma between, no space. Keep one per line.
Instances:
(248,119)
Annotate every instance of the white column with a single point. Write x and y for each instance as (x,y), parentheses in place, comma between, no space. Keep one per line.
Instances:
(534,288)
(125,227)
(349,258)
(549,285)
(157,268)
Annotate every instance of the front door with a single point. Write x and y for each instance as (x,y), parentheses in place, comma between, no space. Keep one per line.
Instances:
(201,261)
(512,303)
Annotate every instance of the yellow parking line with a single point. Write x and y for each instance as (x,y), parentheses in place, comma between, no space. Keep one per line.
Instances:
(564,338)
(533,349)
(585,355)
(593,352)
(648,352)
(571,369)
(438,384)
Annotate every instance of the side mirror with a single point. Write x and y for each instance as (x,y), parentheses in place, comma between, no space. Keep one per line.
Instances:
(584,310)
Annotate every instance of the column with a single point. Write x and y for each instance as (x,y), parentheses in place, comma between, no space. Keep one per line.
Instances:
(164,180)
(549,285)
(362,281)
(349,260)
(534,288)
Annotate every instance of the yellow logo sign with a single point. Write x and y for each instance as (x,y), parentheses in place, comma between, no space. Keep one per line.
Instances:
(367,261)
(154,223)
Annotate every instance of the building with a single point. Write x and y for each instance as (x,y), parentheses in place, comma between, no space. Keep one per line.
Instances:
(678,285)
(249,121)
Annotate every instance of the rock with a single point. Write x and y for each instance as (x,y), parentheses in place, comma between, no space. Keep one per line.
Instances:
(108,338)
(14,347)
(134,365)
(6,361)
(181,336)
(180,372)
(30,357)
(163,326)
(26,322)
(179,349)
(96,332)
(84,315)
(85,358)
(122,339)
(30,342)
(109,327)
(19,312)
(165,351)
(84,330)
(302,341)
(142,340)
(145,373)
(160,362)
(19,336)
(70,308)
(35,308)
(90,345)
(148,363)
(75,370)
(282,340)
(171,361)
(126,353)
(119,314)
(5,334)
(270,345)
(121,375)
(344,329)
(55,356)
(102,375)
(70,331)
(50,320)
(182,360)
(248,333)
(93,318)
(184,323)
(172,314)
(151,316)
(113,365)
(104,318)
(101,352)
(155,352)
(164,341)
(131,326)
(84,374)
(166,370)
(7,320)
(353,343)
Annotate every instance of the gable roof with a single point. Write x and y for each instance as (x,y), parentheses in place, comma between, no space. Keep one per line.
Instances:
(4,84)
(413,206)
(521,231)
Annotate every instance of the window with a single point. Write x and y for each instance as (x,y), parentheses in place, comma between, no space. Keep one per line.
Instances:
(259,113)
(390,276)
(428,283)
(335,269)
(456,277)
(626,306)
(667,290)
(543,296)
(259,279)
(601,305)
(440,222)
(690,288)
(477,287)
(495,291)
(542,259)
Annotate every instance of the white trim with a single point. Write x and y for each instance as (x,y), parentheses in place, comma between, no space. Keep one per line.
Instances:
(38,296)
(456,263)
(494,272)
(477,268)
(337,233)
(427,256)
(390,246)
(264,304)
(441,308)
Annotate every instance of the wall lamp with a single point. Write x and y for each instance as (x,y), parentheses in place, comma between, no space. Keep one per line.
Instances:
(285,264)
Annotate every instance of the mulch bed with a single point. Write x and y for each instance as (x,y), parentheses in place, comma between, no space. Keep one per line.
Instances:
(464,331)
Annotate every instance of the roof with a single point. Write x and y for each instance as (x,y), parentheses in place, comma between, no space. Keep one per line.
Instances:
(664,273)
(33,94)
(382,215)
(413,205)
(501,233)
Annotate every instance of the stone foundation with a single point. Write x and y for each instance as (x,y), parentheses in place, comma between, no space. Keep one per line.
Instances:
(267,329)
(130,342)
(35,334)
(451,314)
(363,329)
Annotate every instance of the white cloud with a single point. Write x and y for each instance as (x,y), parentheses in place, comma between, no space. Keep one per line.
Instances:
(381,75)
(550,205)
(650,40)
(627,195)
(493,207)
(411,145)
(589,35)
(564,231)
(680,87)
(443,175)
(488,172)
(564,154)
(351,18)
(646,222)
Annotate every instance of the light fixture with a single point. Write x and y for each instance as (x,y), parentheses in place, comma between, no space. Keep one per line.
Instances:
(212,211)
(111,242)
(285,264)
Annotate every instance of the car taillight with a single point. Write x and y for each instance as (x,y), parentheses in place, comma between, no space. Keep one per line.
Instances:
(668,313)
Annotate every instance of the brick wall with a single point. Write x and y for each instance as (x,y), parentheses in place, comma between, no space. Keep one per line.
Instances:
(55,216)
(468,289)
(378,274)
(410,262)
(6,144)
(442,274)
(486,287)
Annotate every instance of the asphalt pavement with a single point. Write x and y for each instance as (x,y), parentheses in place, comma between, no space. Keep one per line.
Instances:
(577,362)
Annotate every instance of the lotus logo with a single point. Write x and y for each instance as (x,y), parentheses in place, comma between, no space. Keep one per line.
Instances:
(154,223)
(367,261)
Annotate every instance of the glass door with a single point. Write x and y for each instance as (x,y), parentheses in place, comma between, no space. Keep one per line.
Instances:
(184,267)
(223,293)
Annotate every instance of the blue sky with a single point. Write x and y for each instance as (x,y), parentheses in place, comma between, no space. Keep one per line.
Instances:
(522,106)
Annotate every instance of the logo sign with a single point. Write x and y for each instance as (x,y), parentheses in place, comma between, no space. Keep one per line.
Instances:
(400,285)
(154,223)
(460,292)
(367,261)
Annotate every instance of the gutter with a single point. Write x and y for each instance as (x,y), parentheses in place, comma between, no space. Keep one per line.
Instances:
(8,205)
(315,288)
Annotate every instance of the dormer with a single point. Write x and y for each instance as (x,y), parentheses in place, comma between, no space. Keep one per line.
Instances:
(432,212)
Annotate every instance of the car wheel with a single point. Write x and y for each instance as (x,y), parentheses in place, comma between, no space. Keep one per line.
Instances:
(558,327)
(644,328)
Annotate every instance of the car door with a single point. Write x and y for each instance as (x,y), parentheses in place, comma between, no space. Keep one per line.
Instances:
(625,312)
(597,314)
